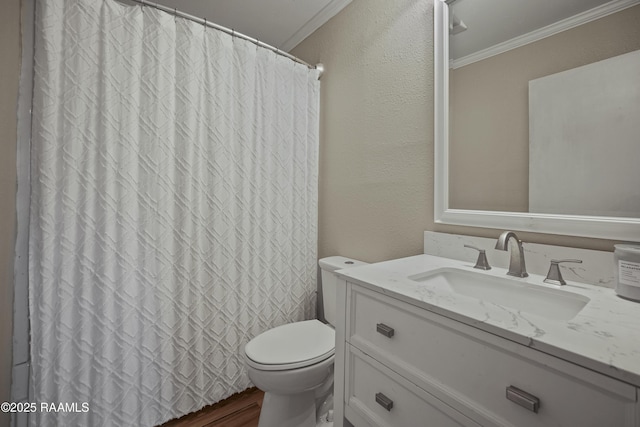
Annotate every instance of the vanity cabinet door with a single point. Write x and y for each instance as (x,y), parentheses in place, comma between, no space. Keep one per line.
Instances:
(384,399)
(475,372)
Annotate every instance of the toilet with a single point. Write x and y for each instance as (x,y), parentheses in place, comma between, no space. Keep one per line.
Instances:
(293,363)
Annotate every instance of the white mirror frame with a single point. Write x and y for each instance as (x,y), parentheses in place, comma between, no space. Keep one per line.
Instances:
(625,229)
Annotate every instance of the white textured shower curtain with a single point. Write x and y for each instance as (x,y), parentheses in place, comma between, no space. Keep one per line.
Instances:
(173,210)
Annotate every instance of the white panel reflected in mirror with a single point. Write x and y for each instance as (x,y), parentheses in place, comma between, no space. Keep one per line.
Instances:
(584,139)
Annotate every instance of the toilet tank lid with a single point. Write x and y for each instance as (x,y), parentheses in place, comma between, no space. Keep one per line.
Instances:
(334,263)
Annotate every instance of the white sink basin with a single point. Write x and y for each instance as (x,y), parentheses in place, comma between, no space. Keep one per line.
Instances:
(525,297)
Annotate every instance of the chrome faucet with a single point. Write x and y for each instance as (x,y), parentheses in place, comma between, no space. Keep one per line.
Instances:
(517,267)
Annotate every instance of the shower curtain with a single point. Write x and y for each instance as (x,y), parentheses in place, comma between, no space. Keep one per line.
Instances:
(173,210)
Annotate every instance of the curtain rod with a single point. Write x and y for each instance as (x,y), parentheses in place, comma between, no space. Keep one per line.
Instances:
(229,31)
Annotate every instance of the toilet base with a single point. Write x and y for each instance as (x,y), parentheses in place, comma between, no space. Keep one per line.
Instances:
(297,410)
(324,411)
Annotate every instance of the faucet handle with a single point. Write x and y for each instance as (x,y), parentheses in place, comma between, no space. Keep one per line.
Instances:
(554,276)
(481,262)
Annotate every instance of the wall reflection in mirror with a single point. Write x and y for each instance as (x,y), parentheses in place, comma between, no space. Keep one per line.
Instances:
(544,103)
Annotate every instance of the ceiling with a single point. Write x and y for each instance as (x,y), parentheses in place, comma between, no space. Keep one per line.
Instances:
(280,23)
(490,22)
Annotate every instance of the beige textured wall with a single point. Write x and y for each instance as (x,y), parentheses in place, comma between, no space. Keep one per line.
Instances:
(9,77)
(376,133)
(490,114)
(376,128)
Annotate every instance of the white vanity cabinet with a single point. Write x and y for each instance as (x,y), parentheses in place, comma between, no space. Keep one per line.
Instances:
(400,365)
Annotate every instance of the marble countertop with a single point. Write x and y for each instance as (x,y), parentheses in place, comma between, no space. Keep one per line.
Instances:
(604,336)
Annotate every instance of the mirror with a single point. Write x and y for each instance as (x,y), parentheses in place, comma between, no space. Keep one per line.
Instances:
(533,131)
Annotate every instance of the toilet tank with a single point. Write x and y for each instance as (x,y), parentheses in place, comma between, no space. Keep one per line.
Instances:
(328,267)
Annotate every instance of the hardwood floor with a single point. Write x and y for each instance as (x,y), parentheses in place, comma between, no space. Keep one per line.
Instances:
(239,410)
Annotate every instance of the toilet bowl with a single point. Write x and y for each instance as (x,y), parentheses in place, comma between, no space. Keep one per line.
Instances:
(290,363)
(293,363)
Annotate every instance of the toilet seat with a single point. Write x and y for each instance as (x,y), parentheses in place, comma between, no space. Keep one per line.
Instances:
(291,346)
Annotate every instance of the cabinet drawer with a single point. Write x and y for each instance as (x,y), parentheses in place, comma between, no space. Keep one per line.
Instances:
(471,370)
(384,399)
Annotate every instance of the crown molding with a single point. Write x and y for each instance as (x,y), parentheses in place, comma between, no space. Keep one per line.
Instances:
(541,33)
(327,12)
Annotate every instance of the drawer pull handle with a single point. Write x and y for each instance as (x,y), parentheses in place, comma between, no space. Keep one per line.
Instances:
(385,330)
(384,401)
(522,398)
